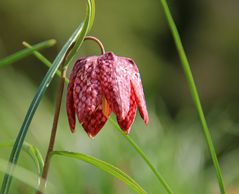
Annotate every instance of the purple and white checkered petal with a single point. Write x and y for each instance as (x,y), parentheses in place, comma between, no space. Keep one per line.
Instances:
(115,82)
(139,93)
(70,101)
(87,90)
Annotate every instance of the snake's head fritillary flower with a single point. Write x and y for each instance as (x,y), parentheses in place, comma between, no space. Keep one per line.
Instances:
(103,84)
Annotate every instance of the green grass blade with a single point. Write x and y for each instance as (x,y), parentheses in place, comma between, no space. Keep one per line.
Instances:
(102,165)
(21,174)
(24,175)
(43,59)
(84,31)
(26,52)
(32,151)
(133,144)
(92,14)
(144,157)
(194,93)
(74,41)
(35,154)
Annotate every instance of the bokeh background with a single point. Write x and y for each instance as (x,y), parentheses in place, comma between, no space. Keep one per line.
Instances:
(173,140)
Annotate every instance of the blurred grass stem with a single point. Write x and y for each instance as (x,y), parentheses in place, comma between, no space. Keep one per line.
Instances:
(144,157)
(194,93)
(26,52)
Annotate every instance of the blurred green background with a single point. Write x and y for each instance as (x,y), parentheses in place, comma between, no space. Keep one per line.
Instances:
(137,29)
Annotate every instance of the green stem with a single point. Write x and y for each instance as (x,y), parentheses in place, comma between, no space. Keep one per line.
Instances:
(26,52)
(97,41)
(144,157)
(194,93)
(53,133)
(134,145)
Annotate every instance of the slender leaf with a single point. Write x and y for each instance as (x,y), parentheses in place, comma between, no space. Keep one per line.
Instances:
(144,157)
(26,52)
(44,60)
(23,175)
(41,58)
(92,15)
(79,39)
(32,151)
(194,93)
(109,168)
(74,41)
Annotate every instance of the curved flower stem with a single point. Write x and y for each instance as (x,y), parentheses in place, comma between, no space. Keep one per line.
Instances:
(97,41)
(53,132)
(194,93)
(145,158)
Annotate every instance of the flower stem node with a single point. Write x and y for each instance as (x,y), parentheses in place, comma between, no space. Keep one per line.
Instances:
(103,84)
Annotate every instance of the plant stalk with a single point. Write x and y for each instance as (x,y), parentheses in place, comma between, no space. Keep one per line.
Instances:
(43,182)
(194,93)
(97,41)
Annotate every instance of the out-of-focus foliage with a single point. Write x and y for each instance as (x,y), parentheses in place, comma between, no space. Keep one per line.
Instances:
(173,140)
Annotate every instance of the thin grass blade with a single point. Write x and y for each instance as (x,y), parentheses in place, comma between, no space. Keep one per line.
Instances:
(194,93)
(24,175)
(92,15)
(144,157)
(102,165)
(43,59)
(32,151)
(26,52)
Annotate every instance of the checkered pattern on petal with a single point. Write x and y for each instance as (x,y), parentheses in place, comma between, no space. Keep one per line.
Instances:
(115,82)
(70,101)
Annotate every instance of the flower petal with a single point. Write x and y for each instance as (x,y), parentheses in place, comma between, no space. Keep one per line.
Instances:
(94,122)
(87,93)
(70,102)
(126,123)
(115,83)
(139,93)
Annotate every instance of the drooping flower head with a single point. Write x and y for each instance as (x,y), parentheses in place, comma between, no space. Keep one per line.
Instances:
(103,84)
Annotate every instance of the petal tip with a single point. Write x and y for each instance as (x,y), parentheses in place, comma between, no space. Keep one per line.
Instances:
(73,130)
(91,136)
(127,131)
(146,120)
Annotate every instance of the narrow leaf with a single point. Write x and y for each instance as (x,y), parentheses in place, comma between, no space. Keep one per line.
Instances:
(92,15)
(194,93)
(26,52)
(144,157)
(23,175)
(74,41)
(43,59)
(32,151)
(80,38)
(102,165)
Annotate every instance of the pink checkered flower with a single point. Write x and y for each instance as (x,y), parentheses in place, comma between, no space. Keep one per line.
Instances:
(103,84)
